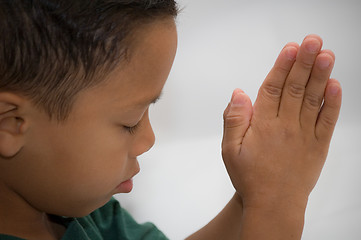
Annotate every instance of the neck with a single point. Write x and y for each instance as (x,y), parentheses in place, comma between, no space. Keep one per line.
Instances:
(18,218)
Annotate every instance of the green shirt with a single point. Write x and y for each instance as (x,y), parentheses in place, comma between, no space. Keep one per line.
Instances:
(110,222)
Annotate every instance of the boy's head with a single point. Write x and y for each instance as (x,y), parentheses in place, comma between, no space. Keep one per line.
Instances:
(75,76)
(51,49)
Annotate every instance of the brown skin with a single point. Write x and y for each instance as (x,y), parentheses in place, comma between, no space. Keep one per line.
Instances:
(273,152)
(73,168)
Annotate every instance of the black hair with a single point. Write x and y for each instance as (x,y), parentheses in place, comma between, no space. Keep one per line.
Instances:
(50,50)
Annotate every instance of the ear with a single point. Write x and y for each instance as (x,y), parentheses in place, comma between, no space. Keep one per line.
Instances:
(11,121)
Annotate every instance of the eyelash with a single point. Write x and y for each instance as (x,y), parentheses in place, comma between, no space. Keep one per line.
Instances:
(132,130)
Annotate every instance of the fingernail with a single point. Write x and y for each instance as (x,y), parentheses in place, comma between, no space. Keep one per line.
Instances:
(291,53)
(239,100)
(334,90)
(313,46)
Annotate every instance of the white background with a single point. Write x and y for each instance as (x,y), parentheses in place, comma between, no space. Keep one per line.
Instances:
(233,43)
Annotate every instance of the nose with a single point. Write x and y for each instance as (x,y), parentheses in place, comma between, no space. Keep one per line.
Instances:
(145,138)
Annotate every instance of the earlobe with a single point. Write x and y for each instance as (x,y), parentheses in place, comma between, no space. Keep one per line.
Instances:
(10,145)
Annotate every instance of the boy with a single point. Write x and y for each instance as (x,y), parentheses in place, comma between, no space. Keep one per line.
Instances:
(77,79)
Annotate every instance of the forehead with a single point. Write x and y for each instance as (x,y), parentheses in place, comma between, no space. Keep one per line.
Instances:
(151,60)
(140,80)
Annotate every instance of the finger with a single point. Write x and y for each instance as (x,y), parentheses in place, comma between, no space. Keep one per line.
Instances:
(269,94)
(294,89)
(315,90)
(236,121)
(236,91)
(330,111)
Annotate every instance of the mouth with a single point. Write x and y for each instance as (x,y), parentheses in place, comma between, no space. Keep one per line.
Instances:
(126,186)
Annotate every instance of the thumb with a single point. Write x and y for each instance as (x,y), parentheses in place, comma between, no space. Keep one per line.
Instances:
(237,117)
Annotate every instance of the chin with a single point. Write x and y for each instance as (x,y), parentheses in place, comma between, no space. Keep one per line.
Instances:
(82,209)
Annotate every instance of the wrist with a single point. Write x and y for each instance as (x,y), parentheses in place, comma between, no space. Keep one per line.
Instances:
(274,201)
(283,210)
(275,224)
(278,219)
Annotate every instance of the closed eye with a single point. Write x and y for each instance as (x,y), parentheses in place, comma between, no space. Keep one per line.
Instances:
(132,130)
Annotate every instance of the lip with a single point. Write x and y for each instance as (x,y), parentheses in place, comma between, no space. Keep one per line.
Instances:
(127,185)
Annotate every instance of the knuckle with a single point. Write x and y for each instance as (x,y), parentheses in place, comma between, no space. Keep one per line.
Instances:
(281,70)
(313,101)
(234,121)
(296,90)
(307,64)
(272,91)
(289,132)
(328,121)
(226,111)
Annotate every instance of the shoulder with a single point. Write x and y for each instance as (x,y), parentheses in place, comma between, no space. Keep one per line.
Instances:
(113,222)
(8,237)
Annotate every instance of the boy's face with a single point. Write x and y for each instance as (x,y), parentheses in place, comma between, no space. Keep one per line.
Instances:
(73,168)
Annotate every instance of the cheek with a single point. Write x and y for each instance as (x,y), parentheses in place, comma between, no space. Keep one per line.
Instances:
(75,168)
(97,158)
